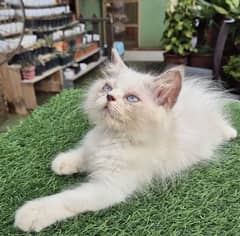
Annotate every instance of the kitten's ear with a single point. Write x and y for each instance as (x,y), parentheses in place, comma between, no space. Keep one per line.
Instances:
(167,87)
(117,60)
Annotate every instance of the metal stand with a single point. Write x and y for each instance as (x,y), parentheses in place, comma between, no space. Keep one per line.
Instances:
(109,28)
(220,45)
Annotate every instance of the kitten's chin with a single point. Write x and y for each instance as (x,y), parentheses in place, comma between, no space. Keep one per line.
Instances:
(111,119)
(108,113)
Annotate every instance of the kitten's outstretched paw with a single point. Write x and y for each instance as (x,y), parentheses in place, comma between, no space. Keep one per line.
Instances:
(66,164)
(33,216)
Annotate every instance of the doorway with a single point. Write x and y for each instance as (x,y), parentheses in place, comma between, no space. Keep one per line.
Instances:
(125,15)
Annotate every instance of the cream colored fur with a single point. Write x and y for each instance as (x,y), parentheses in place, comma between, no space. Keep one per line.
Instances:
(132,143)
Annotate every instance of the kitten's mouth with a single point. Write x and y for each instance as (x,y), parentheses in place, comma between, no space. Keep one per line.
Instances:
(106,108)
(107,111)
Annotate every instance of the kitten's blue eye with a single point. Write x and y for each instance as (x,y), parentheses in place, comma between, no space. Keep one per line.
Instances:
(107,88)
(133,98)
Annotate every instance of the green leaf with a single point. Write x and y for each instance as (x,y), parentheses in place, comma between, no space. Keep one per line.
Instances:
(168,47)
(188,34)
(181,50)
(179,26)
(170,32)
(177,17)
(233,4)
(174,39)
(221,10)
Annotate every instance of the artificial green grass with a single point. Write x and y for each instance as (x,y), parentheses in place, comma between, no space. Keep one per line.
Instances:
(205,201)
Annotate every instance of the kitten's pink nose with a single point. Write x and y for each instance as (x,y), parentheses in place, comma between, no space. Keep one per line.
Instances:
(110,98)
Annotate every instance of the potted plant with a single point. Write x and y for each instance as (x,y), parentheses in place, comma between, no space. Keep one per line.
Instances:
(28,70)
(64,58)
(75,67)
(203,58)
(226,8)
(208,23)
(49,43)
(180,29)
(232,73)
(39,67)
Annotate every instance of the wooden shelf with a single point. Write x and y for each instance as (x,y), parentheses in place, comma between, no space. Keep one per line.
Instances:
(26,49)
(15,6)
(11,35)
(88,55)
(49,17)
(51,71)
(89,67)
(46,6)
(9,20)
(82,58)
(57,28)
(5,6)
(23,93)
(43,76)
(67,65)
(69,37)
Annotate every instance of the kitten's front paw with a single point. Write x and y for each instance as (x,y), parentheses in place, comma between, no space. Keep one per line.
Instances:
(65,164)
(33,216)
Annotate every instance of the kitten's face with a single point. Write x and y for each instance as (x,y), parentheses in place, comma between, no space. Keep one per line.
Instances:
(129,101)
(122,102)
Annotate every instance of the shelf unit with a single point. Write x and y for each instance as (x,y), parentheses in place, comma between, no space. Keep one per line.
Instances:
(89,67)
(69,37)
(45,6)
(58,28)
(88,55)
(43,76)
(52,80)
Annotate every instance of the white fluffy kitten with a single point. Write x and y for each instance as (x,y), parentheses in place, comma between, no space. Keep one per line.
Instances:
(145,127)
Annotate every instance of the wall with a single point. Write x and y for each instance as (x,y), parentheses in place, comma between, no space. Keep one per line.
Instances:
(152,14)
(90,7)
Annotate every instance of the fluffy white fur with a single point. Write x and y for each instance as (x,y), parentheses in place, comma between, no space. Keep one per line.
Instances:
(133,143)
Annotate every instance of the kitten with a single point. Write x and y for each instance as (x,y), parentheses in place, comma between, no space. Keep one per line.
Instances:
(146,127)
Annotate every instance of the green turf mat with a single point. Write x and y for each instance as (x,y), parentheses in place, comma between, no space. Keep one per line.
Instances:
(204,201)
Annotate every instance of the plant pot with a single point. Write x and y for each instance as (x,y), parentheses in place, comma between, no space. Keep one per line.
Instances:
(76,68)
(202,61)
(48,65)
(39,69)
(28,24)
(71,43)
(211,34)
(55,62)
(38,51)
(44,50)
(65,60)
(28,72)
(232,84)
(40,35)
(54,23)
(50,49)
(96,57)
(15,60)
(175,59)
(65,21)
